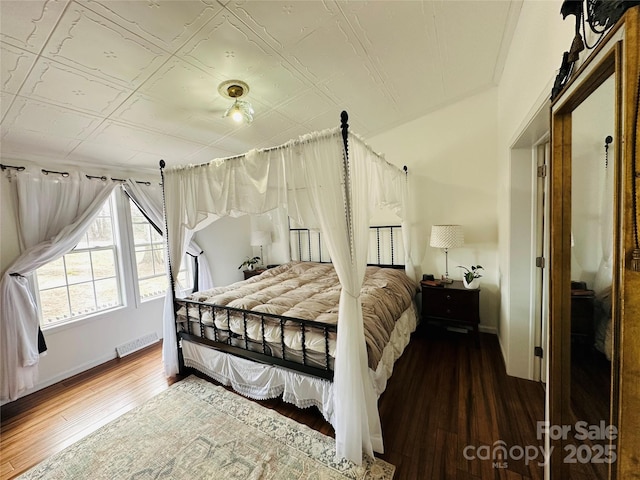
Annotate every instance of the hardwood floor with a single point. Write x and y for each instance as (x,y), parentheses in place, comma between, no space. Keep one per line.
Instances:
(445,394)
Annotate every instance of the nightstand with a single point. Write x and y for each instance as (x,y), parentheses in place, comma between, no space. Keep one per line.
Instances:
(252,273)
(452,304)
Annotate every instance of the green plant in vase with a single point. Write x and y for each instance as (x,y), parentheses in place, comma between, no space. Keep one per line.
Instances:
(250,263)
(471,275)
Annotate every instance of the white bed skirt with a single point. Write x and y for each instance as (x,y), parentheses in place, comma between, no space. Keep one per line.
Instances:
(261,381)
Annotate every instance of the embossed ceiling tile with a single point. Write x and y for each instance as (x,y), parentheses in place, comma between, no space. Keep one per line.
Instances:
(282,24)
(66,86)
(399,58)
(284,136)
(206,155)
(308,105)
(359,94)
(166,24)
(91,43)
(5,103)
(232,144)
(276,84)
(34,146)
(51,119)
(206,128)
(150,114)
(150,160)
(181,84)
(27,24)
(331,119)
(102,154)
(15,64)
(473,46)
(225,47)
(261,130)
(133,138)
(332,48)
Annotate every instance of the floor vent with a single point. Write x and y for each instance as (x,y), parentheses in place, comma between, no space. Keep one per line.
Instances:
(137,344)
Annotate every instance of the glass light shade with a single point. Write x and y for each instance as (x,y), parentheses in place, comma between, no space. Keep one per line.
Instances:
(240,111)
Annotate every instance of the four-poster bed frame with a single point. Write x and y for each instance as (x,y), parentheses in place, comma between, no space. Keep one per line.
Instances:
(223,338)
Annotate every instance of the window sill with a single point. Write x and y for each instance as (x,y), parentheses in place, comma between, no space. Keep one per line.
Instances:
(76,322)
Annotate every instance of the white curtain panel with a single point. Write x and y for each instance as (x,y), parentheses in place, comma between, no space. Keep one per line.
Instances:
(355,403)
(53,212)
(604,275)
(306,176)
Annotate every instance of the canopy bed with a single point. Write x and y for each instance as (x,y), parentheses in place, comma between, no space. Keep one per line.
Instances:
(329,181)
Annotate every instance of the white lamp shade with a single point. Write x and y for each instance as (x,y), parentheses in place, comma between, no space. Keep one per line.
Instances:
(446,236)
(260,238)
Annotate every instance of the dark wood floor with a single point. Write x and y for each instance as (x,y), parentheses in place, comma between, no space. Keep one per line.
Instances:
(445,394)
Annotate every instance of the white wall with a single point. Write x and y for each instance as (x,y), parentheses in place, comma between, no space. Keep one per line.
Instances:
(534,57)
(226,244)
(452,160)
(78,346)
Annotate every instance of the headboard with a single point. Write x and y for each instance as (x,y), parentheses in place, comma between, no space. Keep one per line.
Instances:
(386,248)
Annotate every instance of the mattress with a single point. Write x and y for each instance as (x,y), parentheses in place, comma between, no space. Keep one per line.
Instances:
(303,290)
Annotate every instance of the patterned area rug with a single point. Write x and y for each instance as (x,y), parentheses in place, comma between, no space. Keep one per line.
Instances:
(197,430)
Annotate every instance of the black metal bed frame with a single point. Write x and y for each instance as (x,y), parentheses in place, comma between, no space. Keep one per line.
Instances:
(264,354)
(244,350)
(308,253)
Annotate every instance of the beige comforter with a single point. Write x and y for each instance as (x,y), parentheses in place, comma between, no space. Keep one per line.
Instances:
(310,291)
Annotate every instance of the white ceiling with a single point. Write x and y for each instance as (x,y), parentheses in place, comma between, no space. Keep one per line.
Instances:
(126,83)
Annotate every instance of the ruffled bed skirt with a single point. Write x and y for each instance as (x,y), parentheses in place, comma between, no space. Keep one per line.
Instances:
(261,381)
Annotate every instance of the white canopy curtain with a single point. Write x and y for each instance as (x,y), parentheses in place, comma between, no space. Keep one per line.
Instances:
(307,176)
(149,199)
(53,212)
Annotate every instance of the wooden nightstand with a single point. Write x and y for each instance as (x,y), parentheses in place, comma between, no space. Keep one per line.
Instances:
(452,303)
(252,273)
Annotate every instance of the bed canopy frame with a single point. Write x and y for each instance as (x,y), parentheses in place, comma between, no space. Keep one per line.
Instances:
(336,196)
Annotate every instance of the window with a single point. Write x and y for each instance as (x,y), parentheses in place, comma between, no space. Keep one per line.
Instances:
(85,280)
(150,260)
(89,280)
(149,256)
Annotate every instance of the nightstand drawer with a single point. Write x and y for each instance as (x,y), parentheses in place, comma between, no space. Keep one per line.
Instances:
(451,302)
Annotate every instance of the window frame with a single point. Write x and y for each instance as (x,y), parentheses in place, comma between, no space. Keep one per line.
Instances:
(120,279)
(124,250)
(187,262)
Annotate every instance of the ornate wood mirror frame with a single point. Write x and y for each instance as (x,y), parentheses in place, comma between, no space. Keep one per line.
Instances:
(619,54)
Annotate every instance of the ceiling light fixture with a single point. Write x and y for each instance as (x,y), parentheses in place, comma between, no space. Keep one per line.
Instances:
(241,110)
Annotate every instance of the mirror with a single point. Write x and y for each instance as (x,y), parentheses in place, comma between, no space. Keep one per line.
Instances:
(592,211)
(584,234)
(613,66)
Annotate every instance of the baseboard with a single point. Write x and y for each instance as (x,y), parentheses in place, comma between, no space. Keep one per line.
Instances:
(502,350)
(487,329)
(67,374)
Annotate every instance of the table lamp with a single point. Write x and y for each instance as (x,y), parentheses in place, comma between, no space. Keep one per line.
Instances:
(446,236)
(259,238)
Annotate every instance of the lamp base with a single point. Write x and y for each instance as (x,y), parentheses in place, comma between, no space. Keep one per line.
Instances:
(446,280)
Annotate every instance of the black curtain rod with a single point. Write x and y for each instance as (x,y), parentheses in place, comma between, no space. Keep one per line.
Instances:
(66,174)
(104,179)
(63,174)
(4,167)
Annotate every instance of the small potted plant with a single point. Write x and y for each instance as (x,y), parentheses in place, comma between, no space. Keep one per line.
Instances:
(471,276)
(250,263)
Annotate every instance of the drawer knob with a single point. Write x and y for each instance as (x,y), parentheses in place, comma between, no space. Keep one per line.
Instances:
(448,297)
(448,310)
